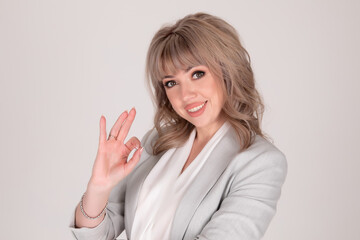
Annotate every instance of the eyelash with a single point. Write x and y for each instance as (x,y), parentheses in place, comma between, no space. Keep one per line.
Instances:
(197,72)
(202,73)
(166,84)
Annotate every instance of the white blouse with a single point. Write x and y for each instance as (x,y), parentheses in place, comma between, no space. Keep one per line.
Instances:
(165,185)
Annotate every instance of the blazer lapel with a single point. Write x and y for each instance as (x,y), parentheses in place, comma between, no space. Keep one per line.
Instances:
(220,157)
(133,188)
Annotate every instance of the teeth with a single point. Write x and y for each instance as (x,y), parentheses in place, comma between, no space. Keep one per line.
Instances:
(196,108)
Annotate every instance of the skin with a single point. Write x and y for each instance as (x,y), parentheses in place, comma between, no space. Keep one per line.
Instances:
(193,85)
(196,85)
(110,167)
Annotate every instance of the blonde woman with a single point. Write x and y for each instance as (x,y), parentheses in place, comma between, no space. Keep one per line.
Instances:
(205,171)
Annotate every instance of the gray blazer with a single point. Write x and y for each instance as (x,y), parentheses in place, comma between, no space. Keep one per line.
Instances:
(233,197)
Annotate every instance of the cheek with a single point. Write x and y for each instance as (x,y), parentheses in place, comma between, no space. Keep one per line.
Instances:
(172,97)
(219,95)
(169,96)
(214,90)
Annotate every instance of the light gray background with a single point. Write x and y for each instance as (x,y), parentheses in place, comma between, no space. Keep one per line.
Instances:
(64,63)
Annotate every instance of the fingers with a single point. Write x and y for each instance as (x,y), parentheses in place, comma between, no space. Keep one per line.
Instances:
(121,127)
(117,126)
(124,169)
(130,165)
(103,134)
(132,143)
(126,126)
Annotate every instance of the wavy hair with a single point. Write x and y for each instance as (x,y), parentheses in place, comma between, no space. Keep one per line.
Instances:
(203,39)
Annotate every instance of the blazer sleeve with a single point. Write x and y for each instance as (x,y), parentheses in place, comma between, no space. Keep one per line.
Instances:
(113,223)
(249,206)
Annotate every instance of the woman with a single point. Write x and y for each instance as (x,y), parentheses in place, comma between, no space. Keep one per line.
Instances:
(205,171)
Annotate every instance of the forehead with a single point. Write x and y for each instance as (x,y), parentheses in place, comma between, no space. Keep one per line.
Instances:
(174,53)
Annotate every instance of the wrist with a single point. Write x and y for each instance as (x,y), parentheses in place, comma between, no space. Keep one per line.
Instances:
(85,214)
(98,189)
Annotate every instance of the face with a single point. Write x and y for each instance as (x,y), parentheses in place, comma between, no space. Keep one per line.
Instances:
(196,96)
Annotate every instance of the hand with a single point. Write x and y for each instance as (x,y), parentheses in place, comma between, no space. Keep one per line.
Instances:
(111,165)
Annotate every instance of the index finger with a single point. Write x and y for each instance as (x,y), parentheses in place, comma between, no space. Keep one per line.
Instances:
(126,126)
(117,126)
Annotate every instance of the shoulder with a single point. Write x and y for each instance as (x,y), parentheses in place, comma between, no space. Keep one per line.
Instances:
(263,149)
(262,158)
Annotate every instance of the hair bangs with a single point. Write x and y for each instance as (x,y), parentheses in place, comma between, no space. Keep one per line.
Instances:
(176,55)
(203,39)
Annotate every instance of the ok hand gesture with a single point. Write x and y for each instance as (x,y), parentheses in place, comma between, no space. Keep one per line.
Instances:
(111,164)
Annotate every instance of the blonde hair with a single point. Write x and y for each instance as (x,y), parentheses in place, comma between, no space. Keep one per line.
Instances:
(203,39)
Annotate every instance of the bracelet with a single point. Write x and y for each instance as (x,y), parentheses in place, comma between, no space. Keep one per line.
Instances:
(84,213)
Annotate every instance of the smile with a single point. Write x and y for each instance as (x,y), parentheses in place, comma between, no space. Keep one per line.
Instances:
(195,109)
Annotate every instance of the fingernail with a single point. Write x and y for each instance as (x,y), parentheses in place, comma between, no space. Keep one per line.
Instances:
(141,150)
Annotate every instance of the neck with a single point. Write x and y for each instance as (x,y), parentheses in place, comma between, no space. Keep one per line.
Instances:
(204,134)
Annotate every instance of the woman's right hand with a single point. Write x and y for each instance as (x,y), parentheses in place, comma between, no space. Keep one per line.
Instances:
(111,165)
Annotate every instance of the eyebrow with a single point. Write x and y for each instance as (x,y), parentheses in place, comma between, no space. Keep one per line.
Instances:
(171,76)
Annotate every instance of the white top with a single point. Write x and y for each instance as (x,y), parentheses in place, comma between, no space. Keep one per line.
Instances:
(165,185)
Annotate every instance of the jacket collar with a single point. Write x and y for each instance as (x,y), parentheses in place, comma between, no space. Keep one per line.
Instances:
(219,159)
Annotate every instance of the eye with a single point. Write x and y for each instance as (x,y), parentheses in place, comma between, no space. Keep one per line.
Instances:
(198,74)
(169,84)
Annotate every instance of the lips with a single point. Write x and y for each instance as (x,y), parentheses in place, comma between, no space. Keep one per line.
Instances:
(193,107)
(196,109)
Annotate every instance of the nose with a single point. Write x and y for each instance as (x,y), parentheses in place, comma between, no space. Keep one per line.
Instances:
(188,91)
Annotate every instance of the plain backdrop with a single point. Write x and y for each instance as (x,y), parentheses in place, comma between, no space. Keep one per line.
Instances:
(65,63)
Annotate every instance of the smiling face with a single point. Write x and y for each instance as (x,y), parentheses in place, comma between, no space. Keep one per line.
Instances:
(196,96)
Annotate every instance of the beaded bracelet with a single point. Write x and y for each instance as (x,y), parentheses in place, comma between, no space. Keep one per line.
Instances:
(84,213)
